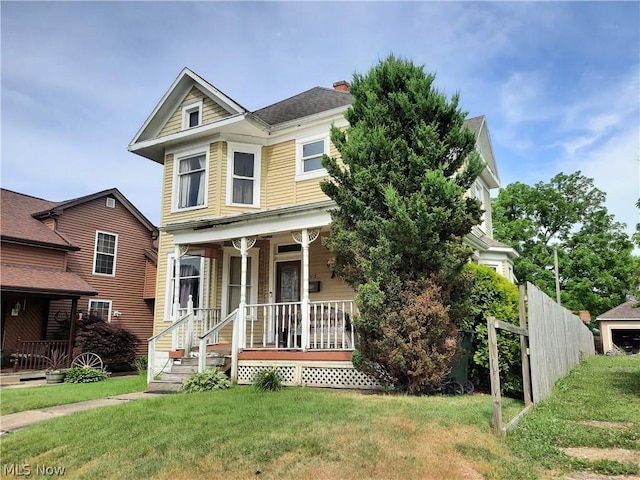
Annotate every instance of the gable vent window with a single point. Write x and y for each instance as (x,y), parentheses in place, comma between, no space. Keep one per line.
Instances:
(192,115)
(111,202)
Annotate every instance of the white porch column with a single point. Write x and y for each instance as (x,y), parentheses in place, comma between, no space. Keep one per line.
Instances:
(305,290)
(243,292)
(176,294)
(306,237)
(176,283)
(239,325)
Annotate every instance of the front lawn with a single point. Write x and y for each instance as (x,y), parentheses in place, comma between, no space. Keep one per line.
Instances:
(14,400)
(295,433)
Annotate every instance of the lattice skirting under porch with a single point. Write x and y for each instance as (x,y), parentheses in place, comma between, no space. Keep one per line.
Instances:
(309,374)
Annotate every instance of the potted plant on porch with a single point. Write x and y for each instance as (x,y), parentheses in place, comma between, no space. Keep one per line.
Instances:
(55,363)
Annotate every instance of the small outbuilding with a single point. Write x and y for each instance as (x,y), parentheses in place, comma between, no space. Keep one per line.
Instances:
(620,327)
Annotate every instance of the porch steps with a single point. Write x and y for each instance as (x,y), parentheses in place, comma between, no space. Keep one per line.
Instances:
(181,369)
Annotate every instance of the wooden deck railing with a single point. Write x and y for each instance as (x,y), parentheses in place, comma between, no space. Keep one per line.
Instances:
(36,354)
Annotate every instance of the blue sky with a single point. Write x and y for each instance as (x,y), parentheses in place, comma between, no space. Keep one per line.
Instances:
(559,83)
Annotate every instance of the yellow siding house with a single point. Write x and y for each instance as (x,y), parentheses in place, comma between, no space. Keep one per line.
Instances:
(242,273)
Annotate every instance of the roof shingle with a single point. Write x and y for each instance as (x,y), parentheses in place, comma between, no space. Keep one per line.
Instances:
(625,311)
(310,102)
(52,281)
(18,222)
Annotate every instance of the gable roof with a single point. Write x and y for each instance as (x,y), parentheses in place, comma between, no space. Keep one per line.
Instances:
(309,102)
(174,96)
(18,223)
(59,207)
(625,311)
(478,125)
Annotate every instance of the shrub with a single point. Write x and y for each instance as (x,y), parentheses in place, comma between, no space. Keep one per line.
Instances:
(268,380)
(85,375)
(141,364)
(493,295)
(213,379)
(115,345)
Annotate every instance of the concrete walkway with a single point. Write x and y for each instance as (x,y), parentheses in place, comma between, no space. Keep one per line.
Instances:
(14,421)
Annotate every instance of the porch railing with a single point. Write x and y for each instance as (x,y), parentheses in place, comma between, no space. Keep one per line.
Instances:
(188,335)
(36,354)
(185,332)
(211,335)
(280,326)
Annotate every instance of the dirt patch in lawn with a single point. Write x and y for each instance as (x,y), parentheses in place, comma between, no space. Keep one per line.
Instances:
(597,476)
(597,423)
(595,454)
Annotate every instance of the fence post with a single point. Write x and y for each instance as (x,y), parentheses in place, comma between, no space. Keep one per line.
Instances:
(495,375)
(524,347)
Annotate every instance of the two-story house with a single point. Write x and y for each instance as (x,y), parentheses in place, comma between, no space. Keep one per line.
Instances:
(241,261)
(95,254)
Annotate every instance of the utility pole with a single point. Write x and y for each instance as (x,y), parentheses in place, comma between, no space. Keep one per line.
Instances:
(555,263)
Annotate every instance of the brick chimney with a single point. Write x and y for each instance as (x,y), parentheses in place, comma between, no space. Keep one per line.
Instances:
(341,86)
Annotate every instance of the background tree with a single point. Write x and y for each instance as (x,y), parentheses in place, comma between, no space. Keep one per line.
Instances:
(406,161)
(596,264)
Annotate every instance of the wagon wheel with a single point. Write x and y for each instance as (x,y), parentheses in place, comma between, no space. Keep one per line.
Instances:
(468,387)
(453,388)
(88,360)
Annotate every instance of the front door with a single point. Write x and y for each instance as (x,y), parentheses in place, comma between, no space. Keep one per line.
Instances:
(287,316)
(288,282)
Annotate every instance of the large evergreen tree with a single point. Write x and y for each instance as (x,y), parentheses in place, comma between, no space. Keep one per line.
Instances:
(406,161)
(597,268)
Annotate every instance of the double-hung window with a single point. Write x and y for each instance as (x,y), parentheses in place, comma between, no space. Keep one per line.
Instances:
(191,179)
(190,281)
(309,152)
(104,258)
(243,175)
(100,309)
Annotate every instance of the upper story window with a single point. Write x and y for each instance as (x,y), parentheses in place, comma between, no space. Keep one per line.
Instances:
(190,181)
(243,175)
(104,260)
(309,152)
(192,115)
(480,195)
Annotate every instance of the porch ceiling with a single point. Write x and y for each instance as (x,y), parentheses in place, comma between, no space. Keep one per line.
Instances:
(263,222)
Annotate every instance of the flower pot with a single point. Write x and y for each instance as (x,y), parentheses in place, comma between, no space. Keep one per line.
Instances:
(54,377)
(179,353)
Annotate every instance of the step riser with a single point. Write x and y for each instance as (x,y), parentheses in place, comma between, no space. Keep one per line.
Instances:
(211,361)
(165,387)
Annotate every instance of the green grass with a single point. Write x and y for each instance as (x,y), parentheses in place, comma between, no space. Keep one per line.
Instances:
(605,389)
(14,400)
(326,434)
(294,433)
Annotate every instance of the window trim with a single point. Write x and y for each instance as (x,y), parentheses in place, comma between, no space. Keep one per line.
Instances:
(229,252)
(95,254)
(181,155)
(187,110)
(168,304)
(300,143)
(110,302)
(256,151)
